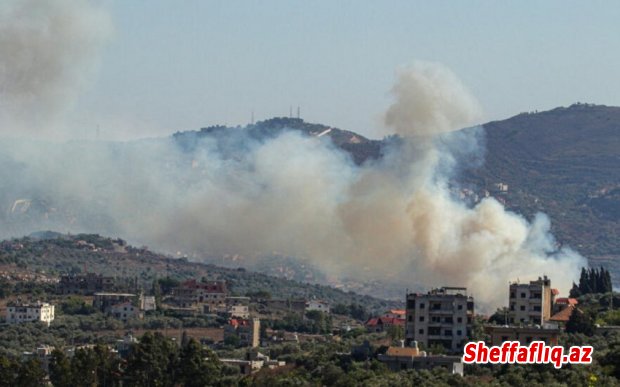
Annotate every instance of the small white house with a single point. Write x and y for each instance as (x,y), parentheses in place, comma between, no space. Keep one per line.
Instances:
(125,311)
(148,303)
(319,305)
(39,311)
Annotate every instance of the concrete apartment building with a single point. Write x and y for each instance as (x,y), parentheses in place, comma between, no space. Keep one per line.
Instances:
(17,313)
(125,311)
(104,301)
(530,303)
(441,317)
(207,296)
(90,283)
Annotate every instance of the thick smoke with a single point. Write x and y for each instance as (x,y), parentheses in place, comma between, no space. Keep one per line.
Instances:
(47,51)
(397,219)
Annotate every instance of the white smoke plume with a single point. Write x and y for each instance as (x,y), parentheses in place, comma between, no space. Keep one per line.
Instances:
(48,50)
(393,219)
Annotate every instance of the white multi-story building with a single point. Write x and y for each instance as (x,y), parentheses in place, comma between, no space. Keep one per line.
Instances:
(440,317)
(40,311)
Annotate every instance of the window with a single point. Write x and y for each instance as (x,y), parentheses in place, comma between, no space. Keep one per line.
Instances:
(434,331)
(421,318)
(522,295)
(421,331)
(459,319)
(410,304)
(513,295)
(460,307)
(421,305)
(410,318)
(459,332)
(447,332)
(448,320)
(522,307)
(536,308)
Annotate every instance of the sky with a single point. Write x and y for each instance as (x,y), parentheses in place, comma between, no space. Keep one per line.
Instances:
(173,66)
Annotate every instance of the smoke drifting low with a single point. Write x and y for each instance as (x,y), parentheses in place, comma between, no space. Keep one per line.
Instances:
(393,219)
(47,52)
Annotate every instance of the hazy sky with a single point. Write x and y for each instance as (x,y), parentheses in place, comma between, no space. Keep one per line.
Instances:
(182,65)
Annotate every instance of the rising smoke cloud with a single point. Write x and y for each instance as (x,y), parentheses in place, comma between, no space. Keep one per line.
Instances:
(48,50)
(397,219)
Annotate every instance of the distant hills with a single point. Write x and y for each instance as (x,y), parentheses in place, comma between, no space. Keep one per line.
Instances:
(564,162)
(48,254)
(360,147)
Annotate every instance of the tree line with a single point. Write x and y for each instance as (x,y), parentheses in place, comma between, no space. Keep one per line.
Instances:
(592,281)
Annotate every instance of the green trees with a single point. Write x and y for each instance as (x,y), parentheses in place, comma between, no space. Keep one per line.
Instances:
(319,322)
(152,361)
(96,366)
(8,371)
(197,367)
(157,361)
(76,305)
(580,322)
(60,369)
(31,374)
(592,281)
(355,310)
(396,332)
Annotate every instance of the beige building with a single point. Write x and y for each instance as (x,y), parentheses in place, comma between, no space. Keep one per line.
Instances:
(440,317)
(17,313)
(405,358)
(238,307)
(531,303)
(247,330)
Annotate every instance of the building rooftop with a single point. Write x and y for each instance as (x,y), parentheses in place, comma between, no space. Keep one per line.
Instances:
(403,352)
(19,304)
(563,315)
(115,294)
(566,301)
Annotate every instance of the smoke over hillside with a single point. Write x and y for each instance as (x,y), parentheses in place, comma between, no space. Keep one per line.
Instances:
(298,195)
(394,219)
